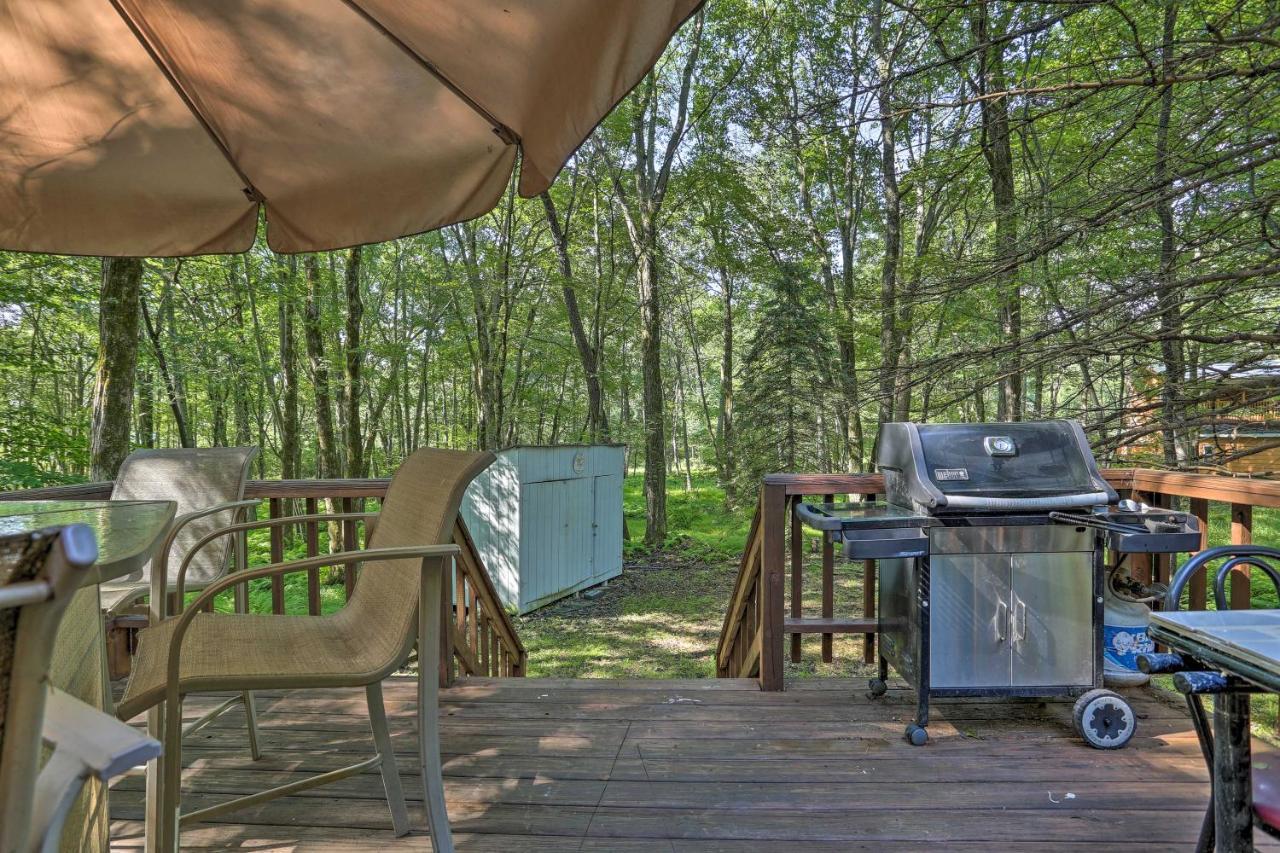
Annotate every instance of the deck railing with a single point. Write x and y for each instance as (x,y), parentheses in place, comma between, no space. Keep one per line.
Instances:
(477,635)
(758,625)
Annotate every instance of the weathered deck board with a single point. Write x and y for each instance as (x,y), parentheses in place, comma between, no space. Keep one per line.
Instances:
(696,766)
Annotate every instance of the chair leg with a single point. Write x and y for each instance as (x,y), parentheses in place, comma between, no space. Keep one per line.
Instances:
(432,581)
(251,720)
(171,777)
(390,772)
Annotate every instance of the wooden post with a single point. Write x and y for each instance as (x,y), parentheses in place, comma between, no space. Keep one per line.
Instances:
(828,587)
(797,575)
(773,526)
(1241,534)
(350,542)
(313,550)
(1140,564)
(1198,585)
(869,601)
(276,509)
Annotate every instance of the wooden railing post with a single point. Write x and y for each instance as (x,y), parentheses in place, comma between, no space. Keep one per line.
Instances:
(1199,507)
(869,602)
(276,510)
(1241,534)
(828,588)
(773,526)
(797,575)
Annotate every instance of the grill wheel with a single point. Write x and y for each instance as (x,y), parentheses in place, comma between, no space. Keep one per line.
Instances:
(1104,719)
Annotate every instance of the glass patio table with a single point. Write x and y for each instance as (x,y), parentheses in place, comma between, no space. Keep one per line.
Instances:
(127,533)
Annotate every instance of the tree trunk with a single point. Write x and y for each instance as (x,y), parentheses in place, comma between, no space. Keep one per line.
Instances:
(354,361)
(998,152)
(889,333)
(290,449)
(655,450)
(728,460)
(597,421)
(1167,297)
(112,419)
(146,411)
(172,392)
(326,439)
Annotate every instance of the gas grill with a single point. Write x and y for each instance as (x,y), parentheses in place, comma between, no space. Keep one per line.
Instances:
(990,546)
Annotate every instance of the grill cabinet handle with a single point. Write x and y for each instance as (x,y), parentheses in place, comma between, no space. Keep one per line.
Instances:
(1001,619)
(1018,624)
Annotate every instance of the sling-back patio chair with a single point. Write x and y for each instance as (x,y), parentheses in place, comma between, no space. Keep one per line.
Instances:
(39,573)
(207,484)
(397,601)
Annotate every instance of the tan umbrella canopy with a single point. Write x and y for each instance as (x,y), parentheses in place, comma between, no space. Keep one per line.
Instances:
(158,127)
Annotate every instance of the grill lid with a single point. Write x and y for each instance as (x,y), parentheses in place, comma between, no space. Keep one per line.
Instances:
(990,467)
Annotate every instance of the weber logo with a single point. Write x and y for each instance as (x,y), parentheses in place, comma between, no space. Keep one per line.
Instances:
(944,474)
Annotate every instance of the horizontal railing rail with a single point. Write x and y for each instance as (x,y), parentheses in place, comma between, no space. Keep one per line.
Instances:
(757,626)
(478,636)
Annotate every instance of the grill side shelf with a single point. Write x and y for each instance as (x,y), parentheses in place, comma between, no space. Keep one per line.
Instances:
(870,530)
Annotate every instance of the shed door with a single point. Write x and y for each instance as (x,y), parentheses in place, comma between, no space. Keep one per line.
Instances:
(555,537)
(607,526)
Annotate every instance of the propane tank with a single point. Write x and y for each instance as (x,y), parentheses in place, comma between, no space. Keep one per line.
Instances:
(1125,635)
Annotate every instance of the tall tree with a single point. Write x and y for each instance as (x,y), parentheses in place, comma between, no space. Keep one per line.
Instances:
(588,353)
(354,364)
(118,304)
(641,203)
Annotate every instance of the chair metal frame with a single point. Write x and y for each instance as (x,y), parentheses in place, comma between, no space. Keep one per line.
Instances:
(87,743)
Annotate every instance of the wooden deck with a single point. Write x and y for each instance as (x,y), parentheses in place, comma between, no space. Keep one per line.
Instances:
(714,765)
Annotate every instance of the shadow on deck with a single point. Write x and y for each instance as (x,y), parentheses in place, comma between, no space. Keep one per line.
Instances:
(707,765)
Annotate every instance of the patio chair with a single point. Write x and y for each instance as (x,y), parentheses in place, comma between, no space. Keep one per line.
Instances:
(1266,772)
(397,601)
(208,486)
(39,573)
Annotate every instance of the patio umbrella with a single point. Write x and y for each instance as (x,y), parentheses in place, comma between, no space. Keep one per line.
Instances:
(160,127)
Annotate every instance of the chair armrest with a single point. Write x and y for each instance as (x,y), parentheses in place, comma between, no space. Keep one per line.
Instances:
(104,746)
(244,527)
(87,743)
(413,552)
(160,565)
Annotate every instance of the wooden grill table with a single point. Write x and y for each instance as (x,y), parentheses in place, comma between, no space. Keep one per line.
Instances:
(127,533)
(1244,645)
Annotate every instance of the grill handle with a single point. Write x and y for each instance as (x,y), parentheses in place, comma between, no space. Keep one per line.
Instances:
(1055,502)
(1095,522)
(1001,619)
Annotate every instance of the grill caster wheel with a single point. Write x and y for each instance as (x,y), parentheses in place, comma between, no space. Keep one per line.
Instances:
(1104,719)
(917,736)
(877,688)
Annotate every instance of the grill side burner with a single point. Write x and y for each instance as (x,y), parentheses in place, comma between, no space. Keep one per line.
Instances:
(990,551)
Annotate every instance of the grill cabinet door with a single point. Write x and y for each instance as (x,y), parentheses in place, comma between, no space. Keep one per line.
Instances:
(969,620)
(1051,619)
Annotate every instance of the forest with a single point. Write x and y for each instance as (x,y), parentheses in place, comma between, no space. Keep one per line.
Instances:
(811,218)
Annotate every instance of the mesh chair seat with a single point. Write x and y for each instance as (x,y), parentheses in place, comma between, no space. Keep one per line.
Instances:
(256,651)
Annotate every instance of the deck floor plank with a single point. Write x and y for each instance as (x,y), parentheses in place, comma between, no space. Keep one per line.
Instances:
(697,766)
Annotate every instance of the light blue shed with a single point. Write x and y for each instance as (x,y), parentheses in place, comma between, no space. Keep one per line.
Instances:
(547,521)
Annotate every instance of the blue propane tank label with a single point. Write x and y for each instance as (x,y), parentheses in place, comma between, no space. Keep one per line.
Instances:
(1123,643)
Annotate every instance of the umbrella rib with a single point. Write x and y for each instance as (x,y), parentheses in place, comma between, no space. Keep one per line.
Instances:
(506,134)
(143,37)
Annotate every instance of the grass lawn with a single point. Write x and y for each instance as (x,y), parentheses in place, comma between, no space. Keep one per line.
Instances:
(662,617)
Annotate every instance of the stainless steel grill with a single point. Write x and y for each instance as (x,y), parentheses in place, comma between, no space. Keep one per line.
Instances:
(991,551)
